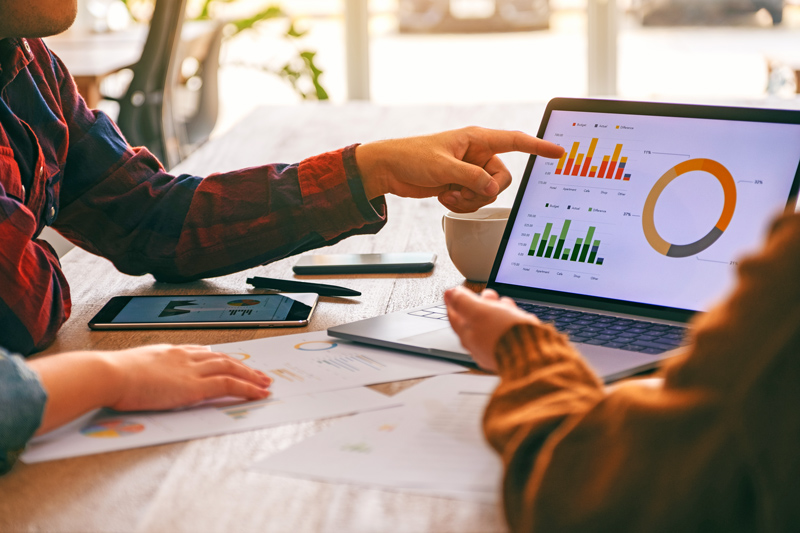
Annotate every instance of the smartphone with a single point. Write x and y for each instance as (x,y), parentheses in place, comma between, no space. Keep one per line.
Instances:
(209,311)
(390,263)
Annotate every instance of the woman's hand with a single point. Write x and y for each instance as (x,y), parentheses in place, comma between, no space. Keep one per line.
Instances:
(165,376)
(460,167)
(141,379)
(480,321)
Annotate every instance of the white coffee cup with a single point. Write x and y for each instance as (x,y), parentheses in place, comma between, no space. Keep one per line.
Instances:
(473,239)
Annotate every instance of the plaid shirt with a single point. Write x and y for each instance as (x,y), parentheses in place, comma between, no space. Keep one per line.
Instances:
(66,166)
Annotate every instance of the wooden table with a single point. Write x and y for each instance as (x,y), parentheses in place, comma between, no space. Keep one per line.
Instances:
(204,485)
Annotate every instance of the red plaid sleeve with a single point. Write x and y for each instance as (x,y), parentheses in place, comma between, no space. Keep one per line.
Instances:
(118,202)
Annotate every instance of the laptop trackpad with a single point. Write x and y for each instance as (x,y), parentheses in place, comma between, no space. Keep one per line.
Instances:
(444,339)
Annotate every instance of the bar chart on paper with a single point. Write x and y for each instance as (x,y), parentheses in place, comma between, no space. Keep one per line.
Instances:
(552,245)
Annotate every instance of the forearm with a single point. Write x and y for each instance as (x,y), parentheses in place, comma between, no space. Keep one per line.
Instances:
(75,383)
(187,227)
(118,202)
(543,380)
(545,386)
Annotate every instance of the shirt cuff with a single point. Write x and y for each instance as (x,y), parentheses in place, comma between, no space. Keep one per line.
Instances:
(23,399)
(372,211)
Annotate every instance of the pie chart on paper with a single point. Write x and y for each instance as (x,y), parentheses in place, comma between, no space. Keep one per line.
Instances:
(112,429)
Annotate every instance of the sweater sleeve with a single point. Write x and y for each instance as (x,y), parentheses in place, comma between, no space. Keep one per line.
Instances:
(701,448)
(22,401)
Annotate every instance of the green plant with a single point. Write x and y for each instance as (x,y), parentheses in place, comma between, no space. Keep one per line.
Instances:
(300,70)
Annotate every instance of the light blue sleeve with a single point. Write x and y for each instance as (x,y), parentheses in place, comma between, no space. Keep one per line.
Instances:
(22,400)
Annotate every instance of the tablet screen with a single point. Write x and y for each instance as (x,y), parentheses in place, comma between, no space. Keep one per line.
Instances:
(649,209)
(219,308)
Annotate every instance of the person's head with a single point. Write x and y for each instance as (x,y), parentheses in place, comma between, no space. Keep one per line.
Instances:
(36,18)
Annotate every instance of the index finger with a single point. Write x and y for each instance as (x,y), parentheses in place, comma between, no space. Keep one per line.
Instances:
(501,141)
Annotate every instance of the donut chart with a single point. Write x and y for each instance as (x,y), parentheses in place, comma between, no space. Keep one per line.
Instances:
(315,346)
(648,214)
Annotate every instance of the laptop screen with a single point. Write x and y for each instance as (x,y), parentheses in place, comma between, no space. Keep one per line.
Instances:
(649,208)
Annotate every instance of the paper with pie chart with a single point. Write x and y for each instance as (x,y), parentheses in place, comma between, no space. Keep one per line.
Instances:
(315,376)
(655,210)
(107,431)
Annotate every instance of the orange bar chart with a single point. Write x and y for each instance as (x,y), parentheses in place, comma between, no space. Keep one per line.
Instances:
(589,156)
(577,166)
(614,159)
(603,166)
(621,168)
(561,162)
(576,163)
(571,159)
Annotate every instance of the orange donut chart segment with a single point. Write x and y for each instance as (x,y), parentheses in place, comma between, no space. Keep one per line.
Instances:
(648,214)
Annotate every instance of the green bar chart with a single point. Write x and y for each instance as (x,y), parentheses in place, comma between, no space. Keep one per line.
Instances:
(551,245)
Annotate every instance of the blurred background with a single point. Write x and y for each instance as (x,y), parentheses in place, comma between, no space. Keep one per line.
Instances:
(481,51)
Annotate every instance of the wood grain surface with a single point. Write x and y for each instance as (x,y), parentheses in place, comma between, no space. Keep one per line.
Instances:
(203,485)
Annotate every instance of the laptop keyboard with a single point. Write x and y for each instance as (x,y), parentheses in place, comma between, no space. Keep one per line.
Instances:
(592,328)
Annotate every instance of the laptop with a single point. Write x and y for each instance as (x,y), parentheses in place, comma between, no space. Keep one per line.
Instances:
(638,227)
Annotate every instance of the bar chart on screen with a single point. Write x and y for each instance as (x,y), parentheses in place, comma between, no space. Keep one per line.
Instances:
(555,246)
(576,162)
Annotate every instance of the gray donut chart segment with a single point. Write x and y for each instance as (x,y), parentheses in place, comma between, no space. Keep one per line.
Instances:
(686,250)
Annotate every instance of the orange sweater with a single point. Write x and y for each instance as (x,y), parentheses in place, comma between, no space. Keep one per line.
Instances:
(716,447)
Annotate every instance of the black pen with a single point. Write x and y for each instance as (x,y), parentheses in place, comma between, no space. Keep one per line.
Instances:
(286,285)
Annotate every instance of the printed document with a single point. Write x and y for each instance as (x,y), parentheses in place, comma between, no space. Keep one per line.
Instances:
(314,376)
(434,444)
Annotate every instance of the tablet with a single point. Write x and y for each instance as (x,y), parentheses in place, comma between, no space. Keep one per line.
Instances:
(206,311)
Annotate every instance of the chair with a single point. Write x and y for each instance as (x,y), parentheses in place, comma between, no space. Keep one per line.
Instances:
(196,88)
(146,114)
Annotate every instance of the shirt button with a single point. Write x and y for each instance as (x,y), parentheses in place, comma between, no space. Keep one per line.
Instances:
(26,45)
(23,193)
(52,212)
(41,171)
